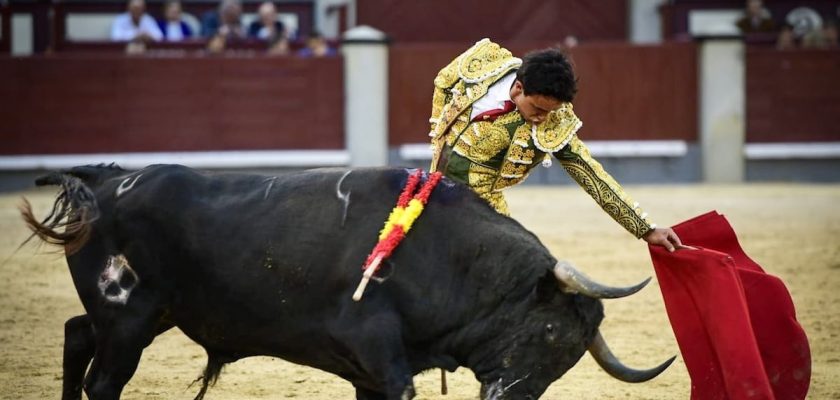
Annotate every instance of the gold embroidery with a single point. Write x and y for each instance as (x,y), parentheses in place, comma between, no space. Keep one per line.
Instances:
(521,155)
(509,118)
(497,201)
(493,140)
(452,133)
(513,172)
(483,60)
(557,130)
(480,178)
(590,175)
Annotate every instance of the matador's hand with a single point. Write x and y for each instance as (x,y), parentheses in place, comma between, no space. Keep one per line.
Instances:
(665,237)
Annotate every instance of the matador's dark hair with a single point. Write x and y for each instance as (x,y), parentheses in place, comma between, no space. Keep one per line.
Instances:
(548,73)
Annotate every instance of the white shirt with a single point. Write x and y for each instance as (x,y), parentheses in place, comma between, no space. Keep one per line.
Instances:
(497,94)
(124,30)
(174,32)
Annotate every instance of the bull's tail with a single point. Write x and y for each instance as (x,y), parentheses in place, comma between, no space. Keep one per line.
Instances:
(215,363)
(74,210)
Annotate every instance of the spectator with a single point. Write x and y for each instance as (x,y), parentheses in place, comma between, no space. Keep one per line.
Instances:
(216,45)
(757,18)
(822,38)
(279,47)
(135,25)
(267,27)
(226,21)
(786,39)
(316,46)
(173,28)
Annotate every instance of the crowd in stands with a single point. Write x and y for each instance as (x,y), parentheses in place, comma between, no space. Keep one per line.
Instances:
(220,29)
(223,28)
(800,28)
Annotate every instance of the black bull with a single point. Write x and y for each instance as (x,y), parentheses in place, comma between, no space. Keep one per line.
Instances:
(250,265)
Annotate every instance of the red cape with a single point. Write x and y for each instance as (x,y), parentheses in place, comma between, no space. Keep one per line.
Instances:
(735,325)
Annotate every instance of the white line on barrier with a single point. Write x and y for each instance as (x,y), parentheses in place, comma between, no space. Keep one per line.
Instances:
(203,159)
(598,148)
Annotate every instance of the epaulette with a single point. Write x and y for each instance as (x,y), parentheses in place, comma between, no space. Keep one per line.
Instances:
(483,60)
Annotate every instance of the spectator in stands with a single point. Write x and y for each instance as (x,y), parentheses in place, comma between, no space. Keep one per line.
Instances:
(786,39)
(173,28)
(316,46)
(267,27)
(279,47)
(226,21)
(216,45)
(822,38)
(135,25)
(757,18)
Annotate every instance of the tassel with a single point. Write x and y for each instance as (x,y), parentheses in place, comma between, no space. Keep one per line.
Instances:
(546,162)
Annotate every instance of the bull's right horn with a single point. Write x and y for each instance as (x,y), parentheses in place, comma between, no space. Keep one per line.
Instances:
(576,282)
(605,358)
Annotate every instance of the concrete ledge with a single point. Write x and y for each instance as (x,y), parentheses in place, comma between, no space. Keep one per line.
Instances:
(792,151)
(598,148)
(209,159)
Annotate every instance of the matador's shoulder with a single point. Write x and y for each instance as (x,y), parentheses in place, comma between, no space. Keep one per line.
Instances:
(484,60)
(558,129)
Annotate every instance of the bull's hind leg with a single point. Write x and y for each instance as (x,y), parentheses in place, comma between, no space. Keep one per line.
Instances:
(79,345)
(119,344)
(378,347)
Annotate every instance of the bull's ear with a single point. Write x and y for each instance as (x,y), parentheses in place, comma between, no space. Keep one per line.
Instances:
(546,287)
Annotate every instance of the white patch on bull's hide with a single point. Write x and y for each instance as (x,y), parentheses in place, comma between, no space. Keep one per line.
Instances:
(126,186)
(270,185)
(496,390)
(113,273)
(345,198)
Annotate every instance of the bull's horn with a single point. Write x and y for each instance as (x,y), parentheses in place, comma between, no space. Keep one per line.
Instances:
(576,282)
(605,358)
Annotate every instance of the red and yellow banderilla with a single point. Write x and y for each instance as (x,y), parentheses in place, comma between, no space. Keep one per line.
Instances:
(399,222)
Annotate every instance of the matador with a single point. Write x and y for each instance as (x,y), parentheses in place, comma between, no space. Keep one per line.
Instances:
(495,117)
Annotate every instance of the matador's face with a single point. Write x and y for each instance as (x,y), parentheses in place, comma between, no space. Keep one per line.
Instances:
(533,108)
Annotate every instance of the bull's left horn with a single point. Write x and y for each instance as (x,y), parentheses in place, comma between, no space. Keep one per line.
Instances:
(576,282)
(609,363)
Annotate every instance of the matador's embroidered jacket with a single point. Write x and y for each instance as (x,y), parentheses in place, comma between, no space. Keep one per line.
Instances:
(490,156)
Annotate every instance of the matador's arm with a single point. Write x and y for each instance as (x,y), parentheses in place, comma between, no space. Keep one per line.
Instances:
(592,177)
(445,78)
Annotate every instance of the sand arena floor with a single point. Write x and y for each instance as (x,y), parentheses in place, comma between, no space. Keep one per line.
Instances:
(793,231)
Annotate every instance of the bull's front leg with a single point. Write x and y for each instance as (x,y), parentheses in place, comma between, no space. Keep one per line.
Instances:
(376,342)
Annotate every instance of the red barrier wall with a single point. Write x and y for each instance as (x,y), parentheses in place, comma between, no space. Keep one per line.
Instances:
(67,104)
(625,91)
(792,95)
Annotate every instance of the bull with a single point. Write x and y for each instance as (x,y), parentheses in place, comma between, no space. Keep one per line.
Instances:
(249,265)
